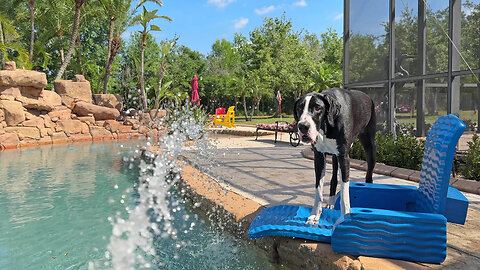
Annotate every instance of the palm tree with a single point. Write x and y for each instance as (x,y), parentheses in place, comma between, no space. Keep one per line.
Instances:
(73,38)
(117,12)
(9,41)
(114,10)
(144,19)
(166,48)
(31,5)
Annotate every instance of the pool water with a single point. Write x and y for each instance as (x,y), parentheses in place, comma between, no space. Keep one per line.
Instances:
(57,204)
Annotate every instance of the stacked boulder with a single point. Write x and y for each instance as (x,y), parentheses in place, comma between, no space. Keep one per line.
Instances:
(31,115)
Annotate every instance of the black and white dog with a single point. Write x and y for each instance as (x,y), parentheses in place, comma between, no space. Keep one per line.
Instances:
(330,121)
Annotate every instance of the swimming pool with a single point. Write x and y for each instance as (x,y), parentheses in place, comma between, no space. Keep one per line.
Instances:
(57,204)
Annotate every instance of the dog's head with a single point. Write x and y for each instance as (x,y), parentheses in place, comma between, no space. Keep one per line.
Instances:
(313,112)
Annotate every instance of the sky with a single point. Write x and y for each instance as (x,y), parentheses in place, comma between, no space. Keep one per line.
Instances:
(199,23)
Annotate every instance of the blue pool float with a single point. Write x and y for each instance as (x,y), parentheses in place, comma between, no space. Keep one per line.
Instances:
(390,221)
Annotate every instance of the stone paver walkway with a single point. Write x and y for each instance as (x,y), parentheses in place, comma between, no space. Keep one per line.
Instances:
(277,173)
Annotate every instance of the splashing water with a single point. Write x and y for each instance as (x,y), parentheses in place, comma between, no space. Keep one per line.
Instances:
(131,244)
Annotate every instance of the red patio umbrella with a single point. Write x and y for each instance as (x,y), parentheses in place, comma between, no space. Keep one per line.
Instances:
(194,97)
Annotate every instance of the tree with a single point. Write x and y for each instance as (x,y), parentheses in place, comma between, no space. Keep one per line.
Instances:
(73,38)
(31,5)
(166,49)
(144,19)
(117,12)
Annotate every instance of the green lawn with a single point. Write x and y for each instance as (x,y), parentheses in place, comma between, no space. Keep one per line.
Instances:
(405,118)
(262,119)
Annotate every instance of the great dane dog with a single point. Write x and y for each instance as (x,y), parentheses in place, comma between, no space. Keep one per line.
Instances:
(330,121)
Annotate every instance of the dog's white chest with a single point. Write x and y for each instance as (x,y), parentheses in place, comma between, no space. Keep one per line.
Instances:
(326,145)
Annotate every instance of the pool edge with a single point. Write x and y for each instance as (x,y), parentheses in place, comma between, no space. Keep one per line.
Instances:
(237,209)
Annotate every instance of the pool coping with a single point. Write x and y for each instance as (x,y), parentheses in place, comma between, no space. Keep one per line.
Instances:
(235,210)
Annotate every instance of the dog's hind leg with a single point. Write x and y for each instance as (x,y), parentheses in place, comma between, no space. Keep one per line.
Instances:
(367,139)
(320,164)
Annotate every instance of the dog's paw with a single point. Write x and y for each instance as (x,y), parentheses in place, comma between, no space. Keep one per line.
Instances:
(313,219)
(330,203)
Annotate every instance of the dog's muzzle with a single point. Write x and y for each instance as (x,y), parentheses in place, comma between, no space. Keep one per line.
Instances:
(303,128)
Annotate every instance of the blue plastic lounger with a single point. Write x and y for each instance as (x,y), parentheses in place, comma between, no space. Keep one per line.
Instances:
(392,221)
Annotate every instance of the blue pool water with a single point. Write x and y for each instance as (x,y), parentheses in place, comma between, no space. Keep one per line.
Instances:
(55,204)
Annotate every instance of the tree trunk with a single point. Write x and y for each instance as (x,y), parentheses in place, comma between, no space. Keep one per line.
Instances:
(254,106)
(109,55)
(160,79)
(142,81)
(245,106)
(2,41)
(79,54)
(62,53)
(76,22)
(31,4)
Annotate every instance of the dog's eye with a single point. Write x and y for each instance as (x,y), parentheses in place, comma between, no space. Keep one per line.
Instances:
(317,108)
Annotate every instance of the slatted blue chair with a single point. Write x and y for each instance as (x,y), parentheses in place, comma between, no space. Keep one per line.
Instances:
(392,221)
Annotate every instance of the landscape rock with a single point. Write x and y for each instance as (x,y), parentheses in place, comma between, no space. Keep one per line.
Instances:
(37,122)
(79,78)
(2,115)
(47,121)
(51,98)
(5,97)
(111,125)
(109,100)
(100,113)
(85,128)
(28,91)
(89,120)
(70,126)
(10,65)
(134,123)
(59,137)
(35,103)
(159,115)
(9,138)
(44,132)
(60,114)
(71,91)
(99,132)
(10,91)
(21,77)
(13,111)
(24,132)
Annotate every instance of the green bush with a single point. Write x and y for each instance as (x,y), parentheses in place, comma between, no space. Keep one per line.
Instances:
(405,151)
(471,168)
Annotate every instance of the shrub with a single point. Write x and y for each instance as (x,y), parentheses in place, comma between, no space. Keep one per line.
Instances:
(405,151)
(471,168)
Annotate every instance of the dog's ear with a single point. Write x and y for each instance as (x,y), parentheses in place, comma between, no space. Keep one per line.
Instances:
(333,109)
(295,111)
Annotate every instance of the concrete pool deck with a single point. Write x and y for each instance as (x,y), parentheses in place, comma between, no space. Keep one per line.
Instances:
(261,173)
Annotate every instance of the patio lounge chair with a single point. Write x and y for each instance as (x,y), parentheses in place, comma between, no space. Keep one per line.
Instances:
(392,221)
(225,119)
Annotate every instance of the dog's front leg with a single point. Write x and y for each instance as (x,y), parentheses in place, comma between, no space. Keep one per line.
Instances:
(344,164)
(320,164)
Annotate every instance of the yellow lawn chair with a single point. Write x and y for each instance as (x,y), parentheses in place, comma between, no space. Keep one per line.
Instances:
(227,120)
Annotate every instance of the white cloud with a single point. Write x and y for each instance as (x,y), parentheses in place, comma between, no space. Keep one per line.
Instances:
(265,10)
(220,3)
(240,23)
(338,17)
(301,3)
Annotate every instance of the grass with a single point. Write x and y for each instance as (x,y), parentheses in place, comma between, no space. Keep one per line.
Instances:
(262,119)
(406,118)
(402,118)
